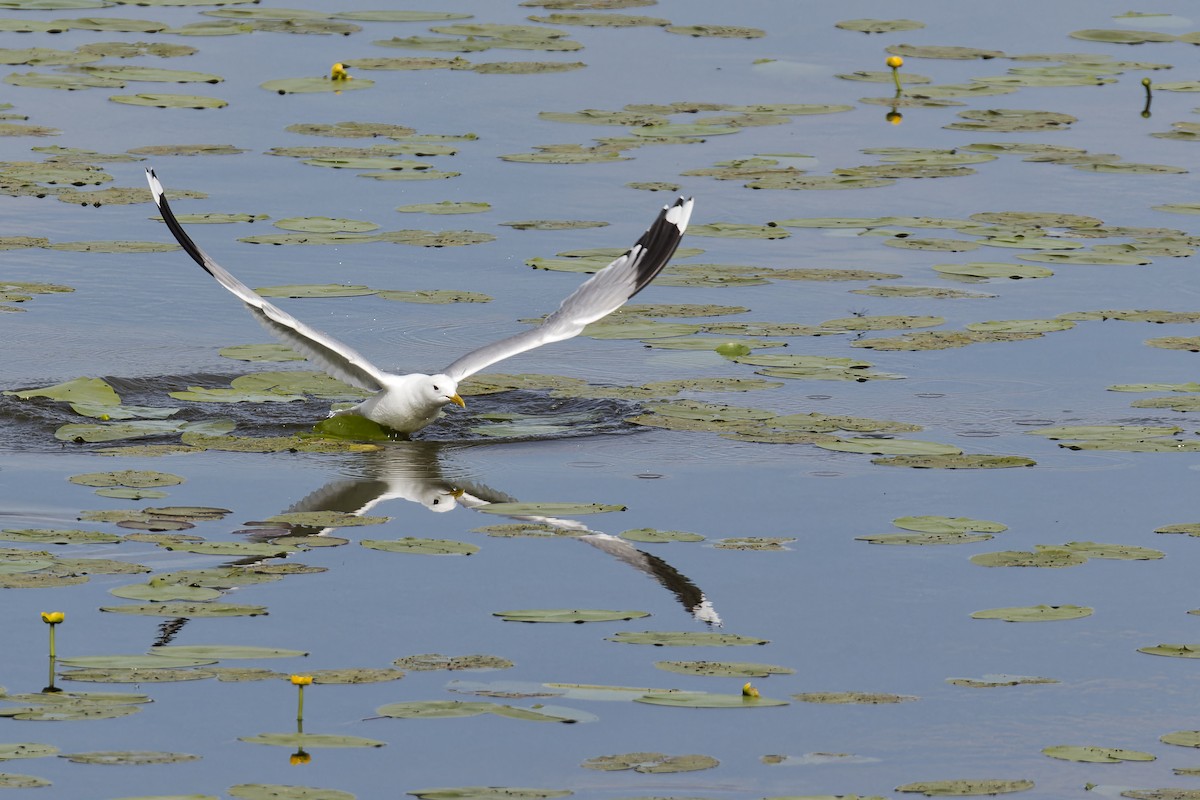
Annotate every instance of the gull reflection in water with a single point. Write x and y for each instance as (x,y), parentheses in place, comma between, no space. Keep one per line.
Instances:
(412,471)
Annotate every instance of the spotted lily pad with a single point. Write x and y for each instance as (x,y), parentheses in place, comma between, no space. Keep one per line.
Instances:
(1041,613)
(724,669)
(1041,557)
(969,787)
(489,793)
(965,461)
(654,536)
(26,750)
(189,610)
(326,519)
(131,478)
(548,509)
(159,100)
(650,763)
(1095,755)
(435,661)
(410,544)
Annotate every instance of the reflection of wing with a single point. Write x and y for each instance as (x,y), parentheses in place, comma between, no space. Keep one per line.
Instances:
(678,584)
(412,471)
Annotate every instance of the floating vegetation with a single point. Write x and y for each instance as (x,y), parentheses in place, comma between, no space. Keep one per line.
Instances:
(1173,650)
(1040,613)
(436,661)
(708,700)
(409,544)
(994,681)
(1042,556)
(853,698)
(965,461)
(169,100)
(685,638)
(576,615)
(964,788)
(128,757)
(650,763)
(724,669)
(310,740)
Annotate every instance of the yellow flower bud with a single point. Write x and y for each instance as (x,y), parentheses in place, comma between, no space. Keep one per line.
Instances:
(749,691)
(53,617)
(301,680)
(300,757)
(895,62)
(338,72)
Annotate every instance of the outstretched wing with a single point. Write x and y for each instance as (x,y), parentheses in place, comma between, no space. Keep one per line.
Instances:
(337,359)
(599,296)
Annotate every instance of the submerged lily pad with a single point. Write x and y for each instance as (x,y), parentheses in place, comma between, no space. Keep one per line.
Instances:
(576,615)
(685,638)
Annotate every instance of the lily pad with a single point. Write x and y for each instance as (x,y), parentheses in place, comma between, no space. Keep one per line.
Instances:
(708,700)
(576,615)
(853,698)
(435,661)
(169,100)
(128,757)
(650,763)
(548,509)
(724,669)
(26,750)
(1041,613)
(410,544)
(189,610)
(655,536)
(685,638)
(223,651)
(310,740)
(1041,557)
(1095,755)
(1172,650)
(131,478)
(80,390)
(963,788)
(326,519)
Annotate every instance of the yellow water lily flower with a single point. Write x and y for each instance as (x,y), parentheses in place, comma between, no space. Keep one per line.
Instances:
(53,617)
(301,680)
(749,691)
(895,62)
(338,73)
(300,757)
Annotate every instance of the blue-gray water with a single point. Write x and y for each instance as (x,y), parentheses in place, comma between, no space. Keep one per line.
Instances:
(847,616)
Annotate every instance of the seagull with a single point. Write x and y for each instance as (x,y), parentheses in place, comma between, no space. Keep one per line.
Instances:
(408,403)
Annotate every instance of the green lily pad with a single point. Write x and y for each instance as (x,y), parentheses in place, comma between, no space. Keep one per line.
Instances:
(684,638)
(434,296)
(853,698)
(888,446)
(275,791)
(26,750)
(1021,326)
(879,25)
(1042,557)
(993,681)
(68,81)
(310,740)
(355,675)
(131,478)
(655,536)
(326,519)
(489,793)
(314,85)
(410,544)
(127,757)
(978,269)
(189,610)
(1041,613)
(1172,650)
(159,100)
(80,390)
(164,591)
(440,709)
(223,651)
(760,543)
(260,352)
(12,780)
(650,763)
(55,536)
(708,700)
(1118,552)
(723,669)
(435,661)
(135,675)
(1121,36)
(717,31)
(962,788)
(1095,755)
(125,72)
(111,432)
(576,615)
(240,549)
(548,509)
(936,524)
(965,461)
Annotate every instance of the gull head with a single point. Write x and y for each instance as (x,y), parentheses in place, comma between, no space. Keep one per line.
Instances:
(442,390)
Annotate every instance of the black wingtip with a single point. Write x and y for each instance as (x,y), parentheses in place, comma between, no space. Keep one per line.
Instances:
(164,208)
(661,240)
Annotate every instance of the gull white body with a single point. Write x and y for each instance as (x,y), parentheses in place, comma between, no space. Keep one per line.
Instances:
(408,403)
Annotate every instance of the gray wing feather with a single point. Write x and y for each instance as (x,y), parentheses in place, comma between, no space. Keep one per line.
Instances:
(596,298)
(336,358)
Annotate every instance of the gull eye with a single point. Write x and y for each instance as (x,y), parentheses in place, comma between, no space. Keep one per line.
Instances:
(435,388)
